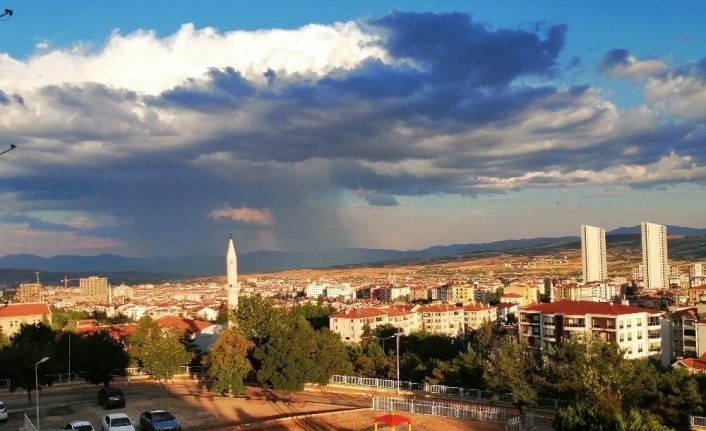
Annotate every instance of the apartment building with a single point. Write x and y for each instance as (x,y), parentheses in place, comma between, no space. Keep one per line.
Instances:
(477,314)
(697,295)
(688,333)
(528,294)
(94,289)
(654,256)
(442,319)
(29,292)
(394,293)
(636,330)
(593,254)
(587,292)
(12,316)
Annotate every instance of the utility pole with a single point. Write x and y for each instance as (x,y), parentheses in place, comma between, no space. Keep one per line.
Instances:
(398,360)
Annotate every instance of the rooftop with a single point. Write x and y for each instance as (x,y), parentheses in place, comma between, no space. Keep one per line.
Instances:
(27,309)
(588,307)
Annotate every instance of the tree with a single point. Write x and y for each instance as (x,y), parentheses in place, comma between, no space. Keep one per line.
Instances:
(678,398)
(223,315)
(331,357)
(591,417)
(26,348)
(164,357)
(287,359)
(468,370)
(4,341)
(316,314)
(147,332)
(100,354)
(257,318)
(228,362)
(370,361)
(511,369)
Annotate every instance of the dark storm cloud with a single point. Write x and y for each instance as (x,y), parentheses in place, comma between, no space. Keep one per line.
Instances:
(35,223)
(454,48)
(457,106)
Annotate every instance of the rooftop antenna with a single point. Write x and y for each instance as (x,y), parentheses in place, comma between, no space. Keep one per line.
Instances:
(8,13)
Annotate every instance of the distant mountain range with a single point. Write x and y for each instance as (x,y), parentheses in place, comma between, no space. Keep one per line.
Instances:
(164,268)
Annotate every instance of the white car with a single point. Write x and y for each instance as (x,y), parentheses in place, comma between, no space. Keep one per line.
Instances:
(3,412)
(79,426)
(117,422)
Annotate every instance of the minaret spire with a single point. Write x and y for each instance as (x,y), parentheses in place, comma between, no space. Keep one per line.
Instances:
(232,275)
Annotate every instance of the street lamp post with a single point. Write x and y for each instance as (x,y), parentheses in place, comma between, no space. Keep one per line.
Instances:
(36,383)
(396,335)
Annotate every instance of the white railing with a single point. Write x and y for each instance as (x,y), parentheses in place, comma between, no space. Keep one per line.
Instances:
(520,423)
(442,408)
(185,370)
(449,391)
(29,426)
(697,421)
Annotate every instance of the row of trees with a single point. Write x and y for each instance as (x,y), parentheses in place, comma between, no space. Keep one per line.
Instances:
(601,388)
(97,355)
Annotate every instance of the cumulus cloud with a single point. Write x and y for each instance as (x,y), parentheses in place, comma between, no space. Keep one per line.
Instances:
(159,131)
(619,62)
(243,214)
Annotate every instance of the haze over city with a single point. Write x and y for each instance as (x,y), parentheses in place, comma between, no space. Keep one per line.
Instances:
(158,128)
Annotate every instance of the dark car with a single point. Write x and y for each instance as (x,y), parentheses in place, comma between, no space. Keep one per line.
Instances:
(111,397)
(159,420)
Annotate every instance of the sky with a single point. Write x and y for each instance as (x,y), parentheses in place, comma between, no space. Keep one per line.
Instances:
(158,128)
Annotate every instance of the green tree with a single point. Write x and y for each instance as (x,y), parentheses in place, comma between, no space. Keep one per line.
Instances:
(257,318)
(468,370)
(370,361)
(228,363)
(678,398)
(316,314)
(511,368)
(147,332)
(4,341)
(331,357)
(223,315)
(27,347)
(164,357)
(98,355)
(287,359)
(584,417)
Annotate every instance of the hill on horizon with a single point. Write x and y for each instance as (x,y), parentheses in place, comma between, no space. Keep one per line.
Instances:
(272,261)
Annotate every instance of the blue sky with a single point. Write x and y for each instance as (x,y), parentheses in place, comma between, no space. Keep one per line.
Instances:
(158,127)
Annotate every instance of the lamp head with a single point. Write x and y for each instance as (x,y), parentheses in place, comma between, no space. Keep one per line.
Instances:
(43,360)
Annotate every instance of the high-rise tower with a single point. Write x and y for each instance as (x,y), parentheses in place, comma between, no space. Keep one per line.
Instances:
(232,275)
(593,254)
(655,265)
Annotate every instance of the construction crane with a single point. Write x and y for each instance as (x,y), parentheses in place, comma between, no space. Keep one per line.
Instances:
(66,281)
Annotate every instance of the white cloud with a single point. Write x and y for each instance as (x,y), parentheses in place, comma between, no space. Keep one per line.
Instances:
(143,62)
(678,95)
(635,69)
(243,214)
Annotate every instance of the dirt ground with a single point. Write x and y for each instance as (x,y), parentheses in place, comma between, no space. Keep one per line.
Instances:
(256,409)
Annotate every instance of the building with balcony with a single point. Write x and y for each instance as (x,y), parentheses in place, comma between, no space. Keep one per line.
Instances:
(94,289)
(443,319)
(477,314)
(688,333)
(638,331)
(697,295)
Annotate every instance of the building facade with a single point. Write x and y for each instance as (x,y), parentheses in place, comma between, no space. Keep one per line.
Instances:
(593,254)
(638,331)
(13,316)
(94,289)
(655,261)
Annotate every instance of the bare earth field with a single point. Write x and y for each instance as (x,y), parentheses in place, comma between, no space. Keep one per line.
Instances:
(199,410)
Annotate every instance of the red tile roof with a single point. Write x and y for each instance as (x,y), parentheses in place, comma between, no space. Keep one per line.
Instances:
(506,305)
(695,364)
(588,307)
(115,331)
(359,313)
(687,312)
(183,324)
(28,309)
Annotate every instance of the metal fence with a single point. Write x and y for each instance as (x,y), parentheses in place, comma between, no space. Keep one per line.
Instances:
(29,426)
(520,423)
(697,421)
(442,408)
(449,391)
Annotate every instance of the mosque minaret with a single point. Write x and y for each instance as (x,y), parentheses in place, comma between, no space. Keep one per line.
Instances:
(232,275)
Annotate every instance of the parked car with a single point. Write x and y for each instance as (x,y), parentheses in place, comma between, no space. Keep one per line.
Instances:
(159,420)
(79,426)
(3,412)
(117,422)
(111,397)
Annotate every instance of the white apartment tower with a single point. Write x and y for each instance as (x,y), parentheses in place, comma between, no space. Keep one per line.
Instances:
(593,254)
(655,265)
(232,275)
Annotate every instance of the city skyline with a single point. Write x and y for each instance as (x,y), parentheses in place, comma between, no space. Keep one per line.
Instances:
(155,129)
